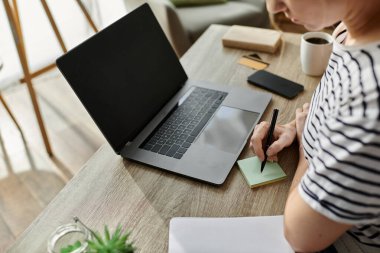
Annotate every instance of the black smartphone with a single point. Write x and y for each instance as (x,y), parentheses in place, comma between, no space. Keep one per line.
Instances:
(275,83)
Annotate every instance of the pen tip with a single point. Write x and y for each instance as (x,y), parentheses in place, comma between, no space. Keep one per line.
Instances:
(262,167)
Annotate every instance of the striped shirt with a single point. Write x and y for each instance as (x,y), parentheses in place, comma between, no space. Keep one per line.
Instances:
(341,141)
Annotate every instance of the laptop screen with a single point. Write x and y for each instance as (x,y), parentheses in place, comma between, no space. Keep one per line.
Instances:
(124,75)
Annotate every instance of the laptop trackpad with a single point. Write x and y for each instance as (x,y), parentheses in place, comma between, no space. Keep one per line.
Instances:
(228,129)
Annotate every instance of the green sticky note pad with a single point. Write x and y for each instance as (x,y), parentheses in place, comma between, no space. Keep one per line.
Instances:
(251,167)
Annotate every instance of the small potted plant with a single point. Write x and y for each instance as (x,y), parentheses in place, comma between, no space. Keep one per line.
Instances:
(91,242)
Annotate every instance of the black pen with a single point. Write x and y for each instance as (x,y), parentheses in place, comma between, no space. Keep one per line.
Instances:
(269,138)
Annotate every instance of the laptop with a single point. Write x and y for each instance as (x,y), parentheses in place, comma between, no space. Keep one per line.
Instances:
(131,82)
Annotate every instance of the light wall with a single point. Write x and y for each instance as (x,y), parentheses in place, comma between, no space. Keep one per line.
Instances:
(41,45)
(132,4)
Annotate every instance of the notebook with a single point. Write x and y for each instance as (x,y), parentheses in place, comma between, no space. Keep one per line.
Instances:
(226,235)
(252,38)
(251,170)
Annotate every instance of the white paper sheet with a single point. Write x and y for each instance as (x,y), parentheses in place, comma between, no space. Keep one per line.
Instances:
(228,235)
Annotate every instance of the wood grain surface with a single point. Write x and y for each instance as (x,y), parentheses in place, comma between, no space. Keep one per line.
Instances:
(110,190)
(29,178)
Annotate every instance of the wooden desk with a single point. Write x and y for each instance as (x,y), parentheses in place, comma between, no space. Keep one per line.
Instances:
(110,190)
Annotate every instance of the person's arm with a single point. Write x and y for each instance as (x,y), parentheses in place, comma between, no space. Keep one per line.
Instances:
(305,229)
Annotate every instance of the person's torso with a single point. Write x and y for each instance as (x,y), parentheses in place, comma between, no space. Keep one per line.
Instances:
(348,89)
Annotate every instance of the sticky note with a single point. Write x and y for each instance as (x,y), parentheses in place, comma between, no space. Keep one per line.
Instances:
(250,168)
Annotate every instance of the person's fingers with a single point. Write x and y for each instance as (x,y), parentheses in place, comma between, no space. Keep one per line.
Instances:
(275,147)
(283,141)
(306,107)
(278,130)
(301,115)
(258,136)
(273,158)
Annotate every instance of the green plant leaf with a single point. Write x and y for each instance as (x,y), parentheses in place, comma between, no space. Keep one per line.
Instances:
(98,237)
(71,248)
(106,233)
(117,243)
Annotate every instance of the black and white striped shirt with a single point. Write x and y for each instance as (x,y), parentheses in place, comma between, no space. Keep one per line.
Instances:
(342,141)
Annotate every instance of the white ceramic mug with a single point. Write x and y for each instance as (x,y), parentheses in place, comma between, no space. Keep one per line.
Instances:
(314,55)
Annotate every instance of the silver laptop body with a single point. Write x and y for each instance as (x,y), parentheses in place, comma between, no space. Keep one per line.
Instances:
(215,150)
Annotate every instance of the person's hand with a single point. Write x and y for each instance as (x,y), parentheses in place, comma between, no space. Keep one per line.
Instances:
(301,114)
(283,136)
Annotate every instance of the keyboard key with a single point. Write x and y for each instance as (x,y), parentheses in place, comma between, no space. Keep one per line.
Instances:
(148,146)
(178,156)
(175,137)
(179,142)
(170,131)
(182,150)
(191,126)
(186,145)
(160,132)
(154,139)
(186,122)
(164,149)
(151,142)
(166,136)
(190,139)
(161,141)
(158,135)
(156,148)
(173,150)
(183,136)
(170,142)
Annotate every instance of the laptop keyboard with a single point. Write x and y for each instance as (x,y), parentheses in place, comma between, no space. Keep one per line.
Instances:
(176,134)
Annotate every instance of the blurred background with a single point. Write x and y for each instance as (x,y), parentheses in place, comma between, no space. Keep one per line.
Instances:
(29,177)
(41,45)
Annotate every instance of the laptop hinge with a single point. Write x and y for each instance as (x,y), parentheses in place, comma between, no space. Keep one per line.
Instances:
(129,143)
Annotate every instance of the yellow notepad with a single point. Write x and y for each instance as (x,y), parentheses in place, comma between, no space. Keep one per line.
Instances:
(251,167)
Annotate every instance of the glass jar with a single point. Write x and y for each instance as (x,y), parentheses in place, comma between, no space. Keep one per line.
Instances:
(69,234)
